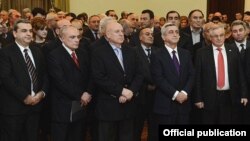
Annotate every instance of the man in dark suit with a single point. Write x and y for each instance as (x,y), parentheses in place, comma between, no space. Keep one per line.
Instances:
(220,84)
(239,34)
(24,85)
(240,41)
(173,74)
(92,32)
(69,73)
(147,21)
(117,76)
(52,44)
(145,99)
(196,20)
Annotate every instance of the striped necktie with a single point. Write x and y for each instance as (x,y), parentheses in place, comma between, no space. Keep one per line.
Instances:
(32,70)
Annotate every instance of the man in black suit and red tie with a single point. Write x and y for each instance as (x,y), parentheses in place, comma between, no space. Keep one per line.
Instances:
(69,75)
(173,74)
(220,87)
(24,85)
(117,76)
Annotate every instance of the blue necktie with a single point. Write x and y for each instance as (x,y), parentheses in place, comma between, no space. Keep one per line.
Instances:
(118,53)
(176,62)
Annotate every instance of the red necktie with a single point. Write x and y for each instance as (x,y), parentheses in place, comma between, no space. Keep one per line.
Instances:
(221,70)
(73,54)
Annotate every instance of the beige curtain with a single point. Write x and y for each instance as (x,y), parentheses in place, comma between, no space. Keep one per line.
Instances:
(62,4)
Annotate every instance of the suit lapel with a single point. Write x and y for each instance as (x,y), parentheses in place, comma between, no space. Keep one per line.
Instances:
(181,60)
(35,57)
(125,55)
(211,61)
(248,44)
(68,58)
(142,53)
(114,58)
(20,58)
(229,58)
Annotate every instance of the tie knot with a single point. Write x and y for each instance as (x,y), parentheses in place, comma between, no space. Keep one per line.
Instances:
(219,49)
(25,50)
(242,45)
(73,54)
(173,51)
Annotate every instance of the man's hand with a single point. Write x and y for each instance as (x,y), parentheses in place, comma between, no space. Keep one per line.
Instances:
(122,99)
(181,97)
(85,98)
(199,105)
(244,101)
(128,94)
(29,100)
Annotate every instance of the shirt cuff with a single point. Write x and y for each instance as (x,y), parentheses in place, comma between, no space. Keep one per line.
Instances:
(175,94)
(184,92)
(44,94)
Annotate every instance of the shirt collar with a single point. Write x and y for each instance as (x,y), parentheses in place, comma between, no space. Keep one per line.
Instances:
(215,48)
(67,49)
(238,44)
(22,48)
(170,49)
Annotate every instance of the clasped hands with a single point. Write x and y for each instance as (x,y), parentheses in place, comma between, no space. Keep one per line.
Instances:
(33,100)
(85,98)
(181,97)
(126,95)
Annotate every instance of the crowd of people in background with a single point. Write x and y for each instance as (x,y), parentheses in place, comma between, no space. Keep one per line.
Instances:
(122,72)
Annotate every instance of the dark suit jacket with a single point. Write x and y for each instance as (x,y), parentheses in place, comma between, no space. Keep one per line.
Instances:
(110,79)
(206,77)
(145,65)
(67,81)
(51,45)
(243,58)
(88,34)
(16,82)
(51,35)
(187,30)
(168,82)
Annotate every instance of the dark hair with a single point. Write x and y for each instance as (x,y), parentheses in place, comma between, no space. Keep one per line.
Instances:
(170,12)
(38,10)
(191,12)
(130,13)
(247,13)
(15,27)
(150,12)
(107,12)
(71,15)
(83,16)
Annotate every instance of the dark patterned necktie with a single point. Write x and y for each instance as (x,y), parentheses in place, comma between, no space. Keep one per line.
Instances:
(31,69)
(148,54)
(176,62)
(96,35)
